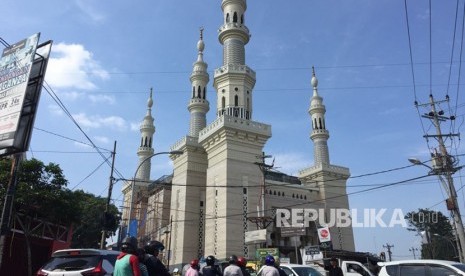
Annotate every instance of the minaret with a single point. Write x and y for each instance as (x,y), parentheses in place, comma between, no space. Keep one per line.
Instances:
(142,177)
(147,129)
(319,134)
(198,105)
(233,143)
(234,80)
(331,180)
(190,173)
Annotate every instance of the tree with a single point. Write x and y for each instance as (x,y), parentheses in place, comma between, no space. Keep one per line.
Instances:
(437,233)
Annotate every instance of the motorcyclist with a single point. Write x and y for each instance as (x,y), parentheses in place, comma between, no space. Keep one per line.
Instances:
(242,262)
(232,269)
(210,269)
(193,269)
(270,269)
(154,265)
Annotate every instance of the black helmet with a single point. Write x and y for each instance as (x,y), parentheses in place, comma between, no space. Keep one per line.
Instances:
(233,259)
(129,243)
(210,260)
(153,246)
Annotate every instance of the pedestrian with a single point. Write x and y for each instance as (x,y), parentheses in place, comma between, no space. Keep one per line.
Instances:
(242,262)
(232,269)
(280,270)
(193,270)
(127,263)
(154,265)
(210,269)
(270,269)
(142,266)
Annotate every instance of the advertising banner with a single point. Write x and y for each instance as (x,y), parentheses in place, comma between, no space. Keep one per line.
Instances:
(324,235)
(15,67)
(256,236)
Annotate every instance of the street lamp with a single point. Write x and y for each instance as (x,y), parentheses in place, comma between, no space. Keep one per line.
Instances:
(452,199)
(131,203)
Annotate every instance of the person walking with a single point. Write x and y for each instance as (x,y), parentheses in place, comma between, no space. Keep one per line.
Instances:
(232,269)
(193,269)
(127,263)
(210,269)
(333,269)
(270,269)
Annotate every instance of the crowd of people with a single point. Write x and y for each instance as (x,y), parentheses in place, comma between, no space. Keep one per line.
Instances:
(134,261)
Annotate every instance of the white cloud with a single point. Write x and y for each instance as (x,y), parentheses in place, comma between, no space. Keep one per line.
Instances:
(135,126)
(72,66)
(96,121)
(99,98)
(290,163)
(55,109)
(88,9)
(72,95)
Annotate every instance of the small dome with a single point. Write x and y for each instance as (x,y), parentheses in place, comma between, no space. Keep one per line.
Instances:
(314,79)
(200,45)
(150,101)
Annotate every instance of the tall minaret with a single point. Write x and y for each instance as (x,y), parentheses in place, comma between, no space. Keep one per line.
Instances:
(320,134)
(190,172)
(233,143)
(234,80)
(198,105)
(328,178)
(147,129)
(142,178)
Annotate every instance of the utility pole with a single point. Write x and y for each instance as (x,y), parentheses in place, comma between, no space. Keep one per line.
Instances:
(444,166)
(107,205)
(413,249)
(388,247)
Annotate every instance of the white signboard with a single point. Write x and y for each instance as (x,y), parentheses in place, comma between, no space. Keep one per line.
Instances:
(15,67)
(324,235)
(256,236)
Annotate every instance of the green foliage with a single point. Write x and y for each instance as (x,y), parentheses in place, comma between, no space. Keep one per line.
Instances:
(437,232)
(41,192)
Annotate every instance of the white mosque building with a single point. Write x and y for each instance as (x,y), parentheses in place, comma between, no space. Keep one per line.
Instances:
(221,189)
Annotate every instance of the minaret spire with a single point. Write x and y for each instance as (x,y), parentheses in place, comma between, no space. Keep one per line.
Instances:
(198,104)
(147,129)
(319,134)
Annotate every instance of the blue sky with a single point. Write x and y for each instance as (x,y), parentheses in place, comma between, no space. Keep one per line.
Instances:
(107,55)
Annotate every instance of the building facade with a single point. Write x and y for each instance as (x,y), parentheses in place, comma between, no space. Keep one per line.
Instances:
(221,187)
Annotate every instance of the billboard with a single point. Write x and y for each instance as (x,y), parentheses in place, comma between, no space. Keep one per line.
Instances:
(256,236)
(22,70)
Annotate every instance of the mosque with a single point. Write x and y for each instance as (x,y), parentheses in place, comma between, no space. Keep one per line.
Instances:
(222,190)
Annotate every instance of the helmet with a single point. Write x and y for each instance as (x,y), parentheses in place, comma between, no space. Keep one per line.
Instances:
(153,246)
(269,260)
(233,259)
(195,263)
(129,243)
(241,261)
(210,260)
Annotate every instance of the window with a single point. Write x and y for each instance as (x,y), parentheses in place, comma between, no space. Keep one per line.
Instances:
(227,18)
(412,270)
(236,100)
(223,102)
(235,17)
(437,270)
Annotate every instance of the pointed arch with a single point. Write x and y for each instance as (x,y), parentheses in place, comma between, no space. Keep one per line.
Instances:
(242,18)
(204,92)
(145,143)
(150,142)
(227,18)
(235,17)
(321,125)
(223,102)
(193,91)
(236,100)
(198,92)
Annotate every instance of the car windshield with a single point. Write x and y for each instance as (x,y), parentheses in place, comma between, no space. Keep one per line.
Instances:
(306,271)
(459,266)
(71,263)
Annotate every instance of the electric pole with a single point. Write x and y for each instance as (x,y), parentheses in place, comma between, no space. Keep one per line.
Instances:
(388,247)
(413,249)
(107,205)
(444,166)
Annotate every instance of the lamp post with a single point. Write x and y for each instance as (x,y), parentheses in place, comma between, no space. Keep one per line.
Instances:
(133,184)
(452,200)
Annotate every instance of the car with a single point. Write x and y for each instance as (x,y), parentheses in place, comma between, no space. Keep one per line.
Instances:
(80,262)
(297,270)
(421,267)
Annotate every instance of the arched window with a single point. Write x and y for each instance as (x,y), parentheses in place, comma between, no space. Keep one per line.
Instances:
(141,141)
(198,92)
(315,125)
(227,18)
(193,92)
(235,17)
(283,193)
(150,142)
(236,100)
(321,125)
(300,196)
(274,193)
(145,144)
(242,19)
(204,92)
(305,197)
(293,195)
(279,193)
(223,102)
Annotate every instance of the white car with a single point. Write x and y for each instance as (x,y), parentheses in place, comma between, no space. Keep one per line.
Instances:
(297,270)
(421,267)
(79,262)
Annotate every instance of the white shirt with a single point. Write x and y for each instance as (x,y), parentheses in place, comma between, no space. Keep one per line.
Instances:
(233,270)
